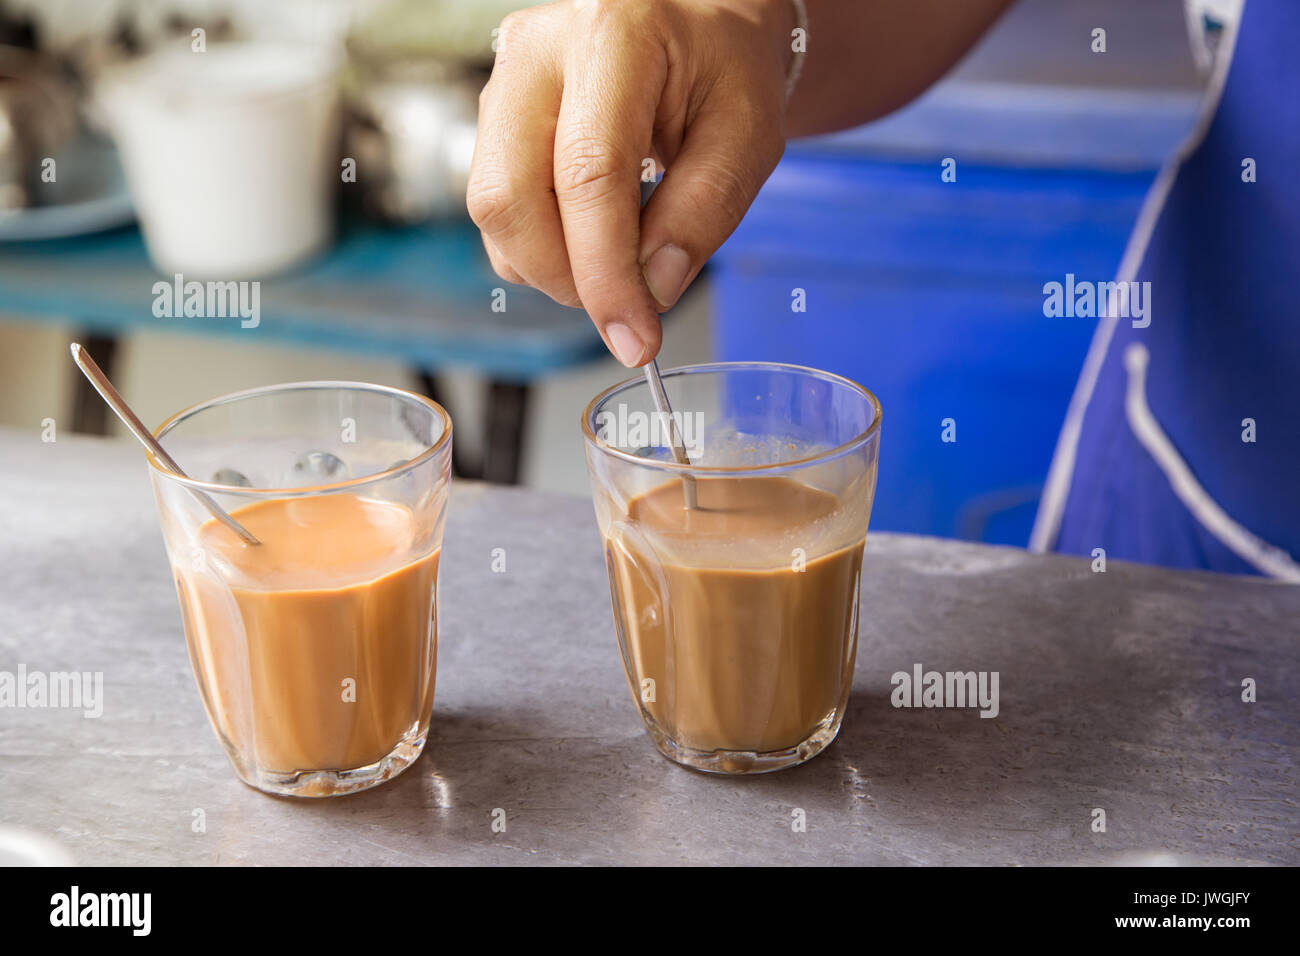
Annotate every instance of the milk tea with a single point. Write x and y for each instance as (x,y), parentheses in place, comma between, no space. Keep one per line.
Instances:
(738,619)
(316,649)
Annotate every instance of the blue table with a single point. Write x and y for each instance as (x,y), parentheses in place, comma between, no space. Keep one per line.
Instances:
(422,295)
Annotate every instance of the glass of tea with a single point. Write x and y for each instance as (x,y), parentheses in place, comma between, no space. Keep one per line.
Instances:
(315,648)
(734,576)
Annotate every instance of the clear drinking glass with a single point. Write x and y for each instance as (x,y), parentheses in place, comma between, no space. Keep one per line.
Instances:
(737,619)
(314,650)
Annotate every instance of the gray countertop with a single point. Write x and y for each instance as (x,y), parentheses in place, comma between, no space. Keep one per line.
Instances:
(1119,691)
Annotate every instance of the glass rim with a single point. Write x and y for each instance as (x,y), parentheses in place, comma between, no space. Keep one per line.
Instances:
(216,487)
(672,466)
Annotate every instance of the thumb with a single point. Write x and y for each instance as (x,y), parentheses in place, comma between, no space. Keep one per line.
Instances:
(726,156)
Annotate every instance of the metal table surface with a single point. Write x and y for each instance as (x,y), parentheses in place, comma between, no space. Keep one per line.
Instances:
(1118,690)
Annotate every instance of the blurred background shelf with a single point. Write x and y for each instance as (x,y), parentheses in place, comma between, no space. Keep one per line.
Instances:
(420,295)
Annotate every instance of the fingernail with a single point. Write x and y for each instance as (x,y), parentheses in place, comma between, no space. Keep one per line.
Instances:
(627,345)
(665,273)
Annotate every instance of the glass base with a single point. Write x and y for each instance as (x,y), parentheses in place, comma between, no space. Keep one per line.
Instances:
(741,762)
(333,783)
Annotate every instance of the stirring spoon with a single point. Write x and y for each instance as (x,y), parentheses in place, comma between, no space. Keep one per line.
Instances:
(656,384)
(115,401)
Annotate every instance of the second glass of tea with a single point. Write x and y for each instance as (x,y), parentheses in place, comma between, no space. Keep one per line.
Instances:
(736,611)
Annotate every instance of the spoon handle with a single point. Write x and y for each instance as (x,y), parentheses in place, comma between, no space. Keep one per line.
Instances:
(123,411)
(656,384)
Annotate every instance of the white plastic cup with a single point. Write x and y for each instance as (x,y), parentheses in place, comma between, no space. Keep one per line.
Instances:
(231,155)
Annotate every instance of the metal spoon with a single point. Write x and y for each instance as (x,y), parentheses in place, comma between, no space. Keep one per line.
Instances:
(656,384)
(652,376)
(115,401)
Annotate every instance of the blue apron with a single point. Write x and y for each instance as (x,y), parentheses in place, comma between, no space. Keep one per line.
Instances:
(1161,471)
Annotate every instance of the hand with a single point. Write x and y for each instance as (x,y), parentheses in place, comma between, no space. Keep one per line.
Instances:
(582,95)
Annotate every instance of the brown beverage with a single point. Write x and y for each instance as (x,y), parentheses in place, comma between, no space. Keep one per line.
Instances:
(314,650)
(743,611)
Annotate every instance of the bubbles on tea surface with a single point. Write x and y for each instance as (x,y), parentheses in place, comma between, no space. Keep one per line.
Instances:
(322,465)
(228,476)
(726,446)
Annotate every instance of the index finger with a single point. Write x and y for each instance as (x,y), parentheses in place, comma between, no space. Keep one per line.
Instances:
(612,85)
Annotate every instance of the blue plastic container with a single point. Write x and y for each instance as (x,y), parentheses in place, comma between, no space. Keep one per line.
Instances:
(930,293)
